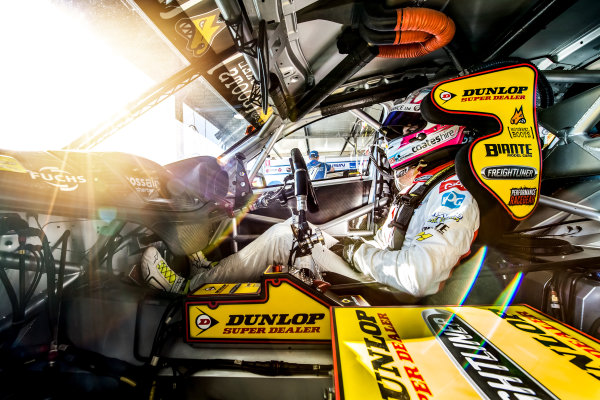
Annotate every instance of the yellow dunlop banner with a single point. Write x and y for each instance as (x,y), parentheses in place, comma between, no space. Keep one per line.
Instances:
(461,353)
(506,162)
(283,312)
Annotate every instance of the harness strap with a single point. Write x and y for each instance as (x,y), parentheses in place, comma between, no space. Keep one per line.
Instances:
(410,201)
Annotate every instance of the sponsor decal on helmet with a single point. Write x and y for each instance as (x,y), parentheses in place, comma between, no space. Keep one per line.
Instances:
(454,183)
(53,176)
(509,172)
(523,196)
(434,139)
(408,107)
(452,199)
(423,178)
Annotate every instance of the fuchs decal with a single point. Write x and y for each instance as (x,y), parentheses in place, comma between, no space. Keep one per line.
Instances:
(53,176)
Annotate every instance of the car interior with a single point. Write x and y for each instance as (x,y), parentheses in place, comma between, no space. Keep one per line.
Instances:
(186,125)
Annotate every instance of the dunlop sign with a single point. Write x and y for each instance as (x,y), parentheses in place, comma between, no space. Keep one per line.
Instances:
(460,353)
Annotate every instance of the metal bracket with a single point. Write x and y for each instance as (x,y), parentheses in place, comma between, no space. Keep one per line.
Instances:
(244,46)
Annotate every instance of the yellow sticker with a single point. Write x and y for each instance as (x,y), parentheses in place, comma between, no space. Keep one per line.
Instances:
(461,353)
(8,163)
(284,312)
(506,162)
(212,289)
(201,35)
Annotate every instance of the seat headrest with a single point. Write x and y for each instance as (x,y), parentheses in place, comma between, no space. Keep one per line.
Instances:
(499,104)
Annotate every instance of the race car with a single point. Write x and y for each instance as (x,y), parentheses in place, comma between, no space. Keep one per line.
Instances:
(154,124)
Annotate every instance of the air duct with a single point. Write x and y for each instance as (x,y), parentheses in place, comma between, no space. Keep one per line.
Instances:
(405,32)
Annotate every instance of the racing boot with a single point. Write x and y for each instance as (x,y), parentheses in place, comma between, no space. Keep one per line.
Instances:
(158,274)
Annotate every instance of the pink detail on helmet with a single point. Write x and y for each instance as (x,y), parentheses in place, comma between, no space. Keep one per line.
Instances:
(402,150)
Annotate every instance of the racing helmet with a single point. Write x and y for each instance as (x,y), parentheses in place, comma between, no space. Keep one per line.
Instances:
(411,139)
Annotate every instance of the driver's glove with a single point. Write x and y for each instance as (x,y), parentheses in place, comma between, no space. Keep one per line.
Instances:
(346,248)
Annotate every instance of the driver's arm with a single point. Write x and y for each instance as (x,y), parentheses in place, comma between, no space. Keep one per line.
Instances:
(425,261)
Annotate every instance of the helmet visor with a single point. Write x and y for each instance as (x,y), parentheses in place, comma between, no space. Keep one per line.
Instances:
(402,123)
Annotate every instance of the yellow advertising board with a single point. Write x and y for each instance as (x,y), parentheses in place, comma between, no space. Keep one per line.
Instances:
(278,310)
(461,353)
(506,162)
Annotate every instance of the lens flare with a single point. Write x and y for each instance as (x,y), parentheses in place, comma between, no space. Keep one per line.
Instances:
(507,295)
(477,259)
(228,230)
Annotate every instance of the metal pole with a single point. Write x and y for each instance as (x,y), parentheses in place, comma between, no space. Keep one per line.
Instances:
(263,156)
(232,13)
(250,141)
(587,121)
(234,234)
(133,110)
(572,208)
(367,118)
(350,65)
(572,76)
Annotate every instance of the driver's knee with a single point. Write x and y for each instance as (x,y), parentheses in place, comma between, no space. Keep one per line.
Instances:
(278,231)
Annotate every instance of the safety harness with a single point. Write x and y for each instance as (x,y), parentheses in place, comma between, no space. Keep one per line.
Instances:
(410,201)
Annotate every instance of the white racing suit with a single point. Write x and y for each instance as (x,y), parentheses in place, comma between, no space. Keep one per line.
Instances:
(439,234)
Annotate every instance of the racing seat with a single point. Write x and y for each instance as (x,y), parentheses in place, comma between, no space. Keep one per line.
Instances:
(470,101)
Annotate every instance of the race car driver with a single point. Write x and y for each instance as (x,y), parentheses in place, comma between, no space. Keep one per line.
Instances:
(430,226)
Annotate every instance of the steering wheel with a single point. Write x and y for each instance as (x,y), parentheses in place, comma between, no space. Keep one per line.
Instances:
(303,185)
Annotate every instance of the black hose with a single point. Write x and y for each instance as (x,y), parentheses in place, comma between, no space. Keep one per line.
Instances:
(268,368)
(12,296)
(36,278)
(375,17)
(377,38)
(160,336)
